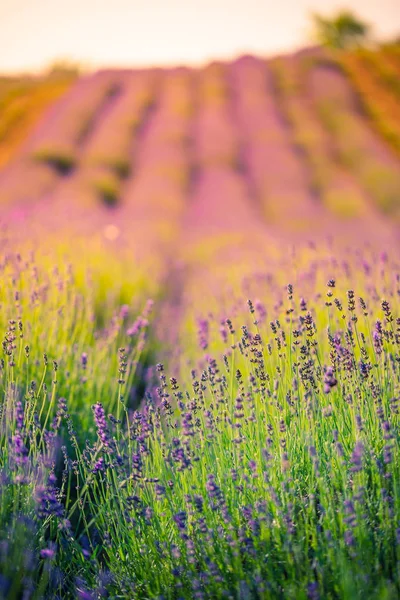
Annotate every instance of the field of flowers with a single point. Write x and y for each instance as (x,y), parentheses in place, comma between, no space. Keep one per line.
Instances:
(199,311)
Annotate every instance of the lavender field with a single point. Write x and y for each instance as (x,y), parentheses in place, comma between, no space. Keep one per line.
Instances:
(199,307)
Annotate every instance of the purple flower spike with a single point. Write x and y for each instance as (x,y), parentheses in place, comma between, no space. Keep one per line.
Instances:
(101,424)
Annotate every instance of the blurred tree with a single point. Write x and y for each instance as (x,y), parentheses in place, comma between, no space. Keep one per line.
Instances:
(64,67)
(343,31)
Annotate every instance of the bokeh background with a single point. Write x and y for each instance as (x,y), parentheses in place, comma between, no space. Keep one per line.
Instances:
(197,141)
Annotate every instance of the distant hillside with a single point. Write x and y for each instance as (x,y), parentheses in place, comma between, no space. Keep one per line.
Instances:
(287,142)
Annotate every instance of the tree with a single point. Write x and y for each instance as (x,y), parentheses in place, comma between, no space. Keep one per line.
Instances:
(343,31)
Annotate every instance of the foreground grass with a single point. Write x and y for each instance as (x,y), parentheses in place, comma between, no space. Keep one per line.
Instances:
(269,470)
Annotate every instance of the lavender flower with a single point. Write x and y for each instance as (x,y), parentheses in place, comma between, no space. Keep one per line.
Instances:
(49,552)
(84,358)
(101,424)
(330,380)
(356,457)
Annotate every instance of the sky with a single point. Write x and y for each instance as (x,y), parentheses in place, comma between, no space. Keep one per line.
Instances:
(37,33)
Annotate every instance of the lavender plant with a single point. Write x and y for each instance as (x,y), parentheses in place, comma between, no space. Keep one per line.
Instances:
(283,488)
(265,466)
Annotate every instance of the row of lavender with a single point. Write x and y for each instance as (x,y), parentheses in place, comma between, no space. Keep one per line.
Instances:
(268,468)
(256,129)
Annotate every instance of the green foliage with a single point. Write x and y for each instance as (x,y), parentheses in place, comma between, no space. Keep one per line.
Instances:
(121,167)
(61,161)
(64,67)
(343,31)
(107,187)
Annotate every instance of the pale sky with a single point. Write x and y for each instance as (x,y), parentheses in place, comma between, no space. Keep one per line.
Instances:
(35,33)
